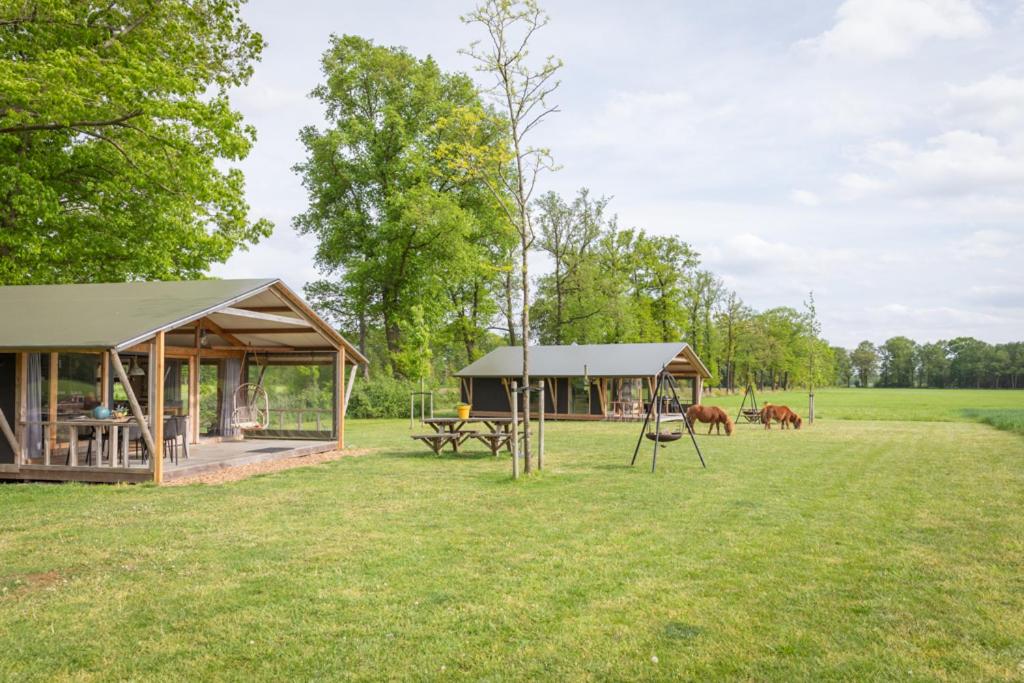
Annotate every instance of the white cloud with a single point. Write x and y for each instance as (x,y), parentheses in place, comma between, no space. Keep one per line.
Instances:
(952,165)
(886,29)
(805,198)
(854,186)
(641,119)
(988,245)
(995,103)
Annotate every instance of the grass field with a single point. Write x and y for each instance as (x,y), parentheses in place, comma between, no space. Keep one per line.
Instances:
(854,549)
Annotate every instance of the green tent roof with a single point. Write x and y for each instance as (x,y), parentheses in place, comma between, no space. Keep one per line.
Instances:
(577,360)
(106,316)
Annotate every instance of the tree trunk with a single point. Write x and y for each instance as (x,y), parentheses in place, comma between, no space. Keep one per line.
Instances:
(509,315)
(527,467)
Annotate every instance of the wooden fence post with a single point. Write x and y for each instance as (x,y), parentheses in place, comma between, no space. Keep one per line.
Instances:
(540,427)
(515,431)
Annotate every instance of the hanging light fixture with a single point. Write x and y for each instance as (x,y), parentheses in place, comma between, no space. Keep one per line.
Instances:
(204,340)
(136,370)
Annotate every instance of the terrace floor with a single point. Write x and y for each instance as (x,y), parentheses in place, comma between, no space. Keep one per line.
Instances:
(210,457)
(204,458)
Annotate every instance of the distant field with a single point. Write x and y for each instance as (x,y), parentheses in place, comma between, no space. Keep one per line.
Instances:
(929,405)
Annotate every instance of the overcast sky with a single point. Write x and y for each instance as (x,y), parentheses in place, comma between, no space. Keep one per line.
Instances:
(870,150)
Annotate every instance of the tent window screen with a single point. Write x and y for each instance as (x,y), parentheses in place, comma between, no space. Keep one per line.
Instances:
(301,393)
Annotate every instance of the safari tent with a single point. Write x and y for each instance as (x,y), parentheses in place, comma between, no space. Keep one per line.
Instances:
(148,381)
(582,382)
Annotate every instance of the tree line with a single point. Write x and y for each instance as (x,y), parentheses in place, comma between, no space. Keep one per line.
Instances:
(420,262)
(963,362)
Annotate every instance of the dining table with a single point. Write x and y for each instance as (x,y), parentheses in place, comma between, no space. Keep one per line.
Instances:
(116,427)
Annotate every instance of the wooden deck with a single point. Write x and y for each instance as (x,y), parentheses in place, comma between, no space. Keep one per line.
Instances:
(204,458)
(211,457)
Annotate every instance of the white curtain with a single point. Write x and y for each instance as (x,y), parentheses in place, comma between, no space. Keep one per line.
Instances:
(34,409)
(232,368)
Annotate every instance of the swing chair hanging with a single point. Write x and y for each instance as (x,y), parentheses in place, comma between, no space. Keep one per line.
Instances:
(251,403)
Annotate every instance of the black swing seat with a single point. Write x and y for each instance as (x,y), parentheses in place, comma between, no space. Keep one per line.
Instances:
(664,436)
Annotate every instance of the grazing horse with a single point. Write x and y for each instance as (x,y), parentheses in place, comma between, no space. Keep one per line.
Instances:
(712,414)
(783,414)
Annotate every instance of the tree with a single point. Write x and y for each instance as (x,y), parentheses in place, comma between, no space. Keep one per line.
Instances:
(842,368)
(731,321)
(114,128)
(704,291)
(397,229)
(569,296)
(898,357)
(933,364)
(865,361)
(812,327)
(662,265)
(521,92)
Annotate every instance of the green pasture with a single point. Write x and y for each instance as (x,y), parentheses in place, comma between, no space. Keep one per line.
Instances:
(929,405)
(856,549)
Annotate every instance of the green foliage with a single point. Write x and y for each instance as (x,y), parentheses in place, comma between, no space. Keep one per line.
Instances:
(114,126)
(898,360)
(413,360)
(398,230)
(380,396)
(865,362)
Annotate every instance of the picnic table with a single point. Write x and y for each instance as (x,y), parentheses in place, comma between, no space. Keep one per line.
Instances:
(450,431)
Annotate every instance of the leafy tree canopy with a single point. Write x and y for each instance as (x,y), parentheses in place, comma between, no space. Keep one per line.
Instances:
(113,118)
(405,239)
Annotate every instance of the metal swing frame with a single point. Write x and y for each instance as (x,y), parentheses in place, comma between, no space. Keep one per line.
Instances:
(752,414)
(665,380)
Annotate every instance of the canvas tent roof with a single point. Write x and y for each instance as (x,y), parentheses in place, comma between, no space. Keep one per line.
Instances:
(597,360)
(117,315)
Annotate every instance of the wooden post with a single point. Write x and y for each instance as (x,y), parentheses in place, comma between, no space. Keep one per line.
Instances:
(20,408)
(540,427)
(8,433)
(340,393)
(515,433)
(348,389)
(193,399)
(53,379)
(105,379)
(157,372)
(133,402)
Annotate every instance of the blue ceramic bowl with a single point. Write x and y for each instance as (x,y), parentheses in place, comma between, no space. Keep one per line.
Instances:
(101,412)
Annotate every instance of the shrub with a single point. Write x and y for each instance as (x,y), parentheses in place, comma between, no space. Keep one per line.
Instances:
(381,396)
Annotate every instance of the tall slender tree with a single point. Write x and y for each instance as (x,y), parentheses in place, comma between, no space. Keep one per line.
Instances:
(520,91)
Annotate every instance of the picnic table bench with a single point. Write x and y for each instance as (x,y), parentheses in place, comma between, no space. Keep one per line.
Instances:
(494,440)
(449,431)
(438,440)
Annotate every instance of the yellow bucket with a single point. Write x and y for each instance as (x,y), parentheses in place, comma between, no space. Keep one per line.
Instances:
(463,411)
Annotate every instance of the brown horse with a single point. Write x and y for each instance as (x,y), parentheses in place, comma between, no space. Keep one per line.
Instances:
(712,414)
(782,414)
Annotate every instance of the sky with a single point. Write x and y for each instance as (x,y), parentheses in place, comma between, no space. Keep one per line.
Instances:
(869,150)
